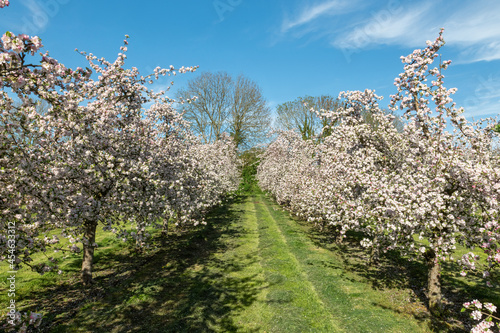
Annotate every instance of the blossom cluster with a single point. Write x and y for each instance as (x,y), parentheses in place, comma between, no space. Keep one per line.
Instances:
(420,191)
(477,311)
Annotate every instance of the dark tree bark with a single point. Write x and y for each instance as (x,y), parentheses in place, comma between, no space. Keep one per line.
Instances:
(88,252)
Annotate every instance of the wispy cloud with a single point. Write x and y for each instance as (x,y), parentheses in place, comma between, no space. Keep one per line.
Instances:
(475,30)
(473,52)
(310,13)
(471,28)
(484,100)
(475,22)
(486,109)
(394,25)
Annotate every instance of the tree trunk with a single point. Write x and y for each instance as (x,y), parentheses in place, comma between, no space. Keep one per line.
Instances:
(374,256)
(88,252)
(164,230)
(434,283)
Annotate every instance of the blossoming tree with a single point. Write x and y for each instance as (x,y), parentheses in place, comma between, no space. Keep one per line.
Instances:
(419,192)
(96,156)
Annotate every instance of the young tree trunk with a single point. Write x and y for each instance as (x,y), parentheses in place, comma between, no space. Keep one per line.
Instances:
(374,256)
(164,230)
(434,283)
(88,252)
(321,225)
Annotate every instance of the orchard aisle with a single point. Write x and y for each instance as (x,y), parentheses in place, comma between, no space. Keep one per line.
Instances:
(291,300)
(250,269)
(302,287)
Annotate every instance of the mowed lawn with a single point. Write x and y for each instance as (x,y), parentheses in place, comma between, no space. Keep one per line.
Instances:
(251,269)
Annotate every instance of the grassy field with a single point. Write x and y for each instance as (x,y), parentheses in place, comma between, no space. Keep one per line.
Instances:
(251,269)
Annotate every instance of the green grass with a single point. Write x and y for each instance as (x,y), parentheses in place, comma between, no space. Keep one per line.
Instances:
(340,301)
(251,269)
(69,263)
(291,299)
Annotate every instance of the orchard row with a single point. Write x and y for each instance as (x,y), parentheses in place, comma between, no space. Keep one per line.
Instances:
(96,146)
(419,190)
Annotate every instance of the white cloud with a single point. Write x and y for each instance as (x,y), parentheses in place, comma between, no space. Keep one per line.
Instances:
(388,26)
(310,13)
(486,51)
(484,100)
(471,28)
(475,30)
(483,110)
(474,22)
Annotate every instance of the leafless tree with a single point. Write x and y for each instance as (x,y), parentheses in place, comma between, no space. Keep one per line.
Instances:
(250,116)
(209,112)
(226,105)
(297,115)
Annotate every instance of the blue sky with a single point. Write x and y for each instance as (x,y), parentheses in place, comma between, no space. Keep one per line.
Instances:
(290,48)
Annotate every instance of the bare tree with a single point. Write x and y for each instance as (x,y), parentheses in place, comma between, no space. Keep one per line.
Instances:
(224,105)
(297,115)
(209,112)
(250,116)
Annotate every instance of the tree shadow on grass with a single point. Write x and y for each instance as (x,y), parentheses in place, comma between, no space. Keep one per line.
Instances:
(404,279)
(180,287)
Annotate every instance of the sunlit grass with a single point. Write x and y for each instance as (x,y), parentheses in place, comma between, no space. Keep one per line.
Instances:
(69,265)
(251,269)
(351,303)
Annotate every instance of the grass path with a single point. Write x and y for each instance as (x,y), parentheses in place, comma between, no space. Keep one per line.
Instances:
(252,269)
(291,298)
(313,293)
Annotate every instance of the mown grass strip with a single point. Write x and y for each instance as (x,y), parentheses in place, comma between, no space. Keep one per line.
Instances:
(294,303)
(254,314)
(352,303)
